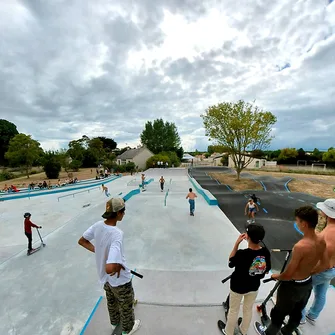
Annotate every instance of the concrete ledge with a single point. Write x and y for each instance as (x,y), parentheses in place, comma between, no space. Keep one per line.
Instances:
(19,195)
(208,196)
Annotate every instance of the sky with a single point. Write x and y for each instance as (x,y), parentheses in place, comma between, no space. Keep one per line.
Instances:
(103,68)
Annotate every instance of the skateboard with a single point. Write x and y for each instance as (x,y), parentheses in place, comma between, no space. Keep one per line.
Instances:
(118,329)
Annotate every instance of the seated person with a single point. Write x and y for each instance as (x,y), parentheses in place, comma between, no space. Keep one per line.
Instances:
(250,265)
(45,185)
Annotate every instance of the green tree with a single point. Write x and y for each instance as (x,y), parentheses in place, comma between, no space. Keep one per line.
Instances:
(288,154)
(174,159)
(23,151)
(180,153)
(51,164)
(317,154)
(108,143)
(257,153)
(160,136)
(220,149)
(329,156)
(240,127)
(77,149)
(152,161)
(7,131)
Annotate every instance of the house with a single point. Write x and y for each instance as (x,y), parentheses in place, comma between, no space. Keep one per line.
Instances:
(137,156)
(255,163)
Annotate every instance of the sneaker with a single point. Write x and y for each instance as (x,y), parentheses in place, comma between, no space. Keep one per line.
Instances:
(259,328)
(136,327)
(239,321)
(302,322)
(310,320)
(222,327)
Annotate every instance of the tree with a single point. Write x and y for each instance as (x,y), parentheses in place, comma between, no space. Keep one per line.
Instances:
(51,164)
(7,131)
(257,153)
(160,136)
(152,161)
(240,127)
(288,154)
(220,149)
(329,156)
(180,153)
(108,143)
(23,151)
(317,154)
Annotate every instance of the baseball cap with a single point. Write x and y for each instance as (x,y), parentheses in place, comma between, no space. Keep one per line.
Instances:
(113,206)
(256,232)
(327,207)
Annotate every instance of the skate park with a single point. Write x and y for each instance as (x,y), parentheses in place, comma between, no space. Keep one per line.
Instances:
(183,259)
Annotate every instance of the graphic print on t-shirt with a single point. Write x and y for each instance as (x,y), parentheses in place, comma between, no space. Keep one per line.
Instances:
(258,266)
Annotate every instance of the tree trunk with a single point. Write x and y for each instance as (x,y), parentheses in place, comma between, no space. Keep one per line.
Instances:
(27,171)
(238,172)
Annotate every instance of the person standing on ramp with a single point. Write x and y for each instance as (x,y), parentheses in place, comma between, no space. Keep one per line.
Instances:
(28,232)
(162,181)
(325,270)
(191,199)
(105,189)
(250,210)
(111,265)
(143,181)
(296,281)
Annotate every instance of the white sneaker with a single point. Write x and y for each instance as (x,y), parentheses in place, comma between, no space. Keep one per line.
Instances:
(136,327)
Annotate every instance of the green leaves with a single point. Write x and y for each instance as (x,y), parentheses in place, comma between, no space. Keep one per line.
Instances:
(7,131)
(240,127)
(160,136)
(23,151)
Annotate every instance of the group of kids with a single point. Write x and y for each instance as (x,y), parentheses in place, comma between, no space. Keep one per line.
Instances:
(311,267)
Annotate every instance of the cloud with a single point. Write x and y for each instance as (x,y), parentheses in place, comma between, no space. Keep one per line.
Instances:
(105,68)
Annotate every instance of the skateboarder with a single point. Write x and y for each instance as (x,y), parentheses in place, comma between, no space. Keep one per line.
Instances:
(191,199)
(296,281)
(325,270)
(250,210)
(105,189)
(111,265)
(162,181)
(28,232)
(250,265)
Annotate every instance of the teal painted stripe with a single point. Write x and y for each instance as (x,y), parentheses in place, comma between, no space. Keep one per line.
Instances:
(91,316)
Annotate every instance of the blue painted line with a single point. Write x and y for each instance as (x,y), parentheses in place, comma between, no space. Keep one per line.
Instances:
(258,203)
(301,200)
(263,185)
(265,210)
(297,229)
(290,197)
(229,187)
(286,185)
(280,194)
(91,316)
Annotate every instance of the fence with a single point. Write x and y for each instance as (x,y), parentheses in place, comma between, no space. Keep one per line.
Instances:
(73,194)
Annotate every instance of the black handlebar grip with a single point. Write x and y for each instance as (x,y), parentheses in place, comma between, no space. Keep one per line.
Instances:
(225,279)
(267,280)
(136,274)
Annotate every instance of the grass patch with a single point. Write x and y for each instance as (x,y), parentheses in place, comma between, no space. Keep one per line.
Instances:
(313,187)
(285,171)
(237,185)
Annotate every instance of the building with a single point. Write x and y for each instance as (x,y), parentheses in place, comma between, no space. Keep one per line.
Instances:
(137,156)
(255,163)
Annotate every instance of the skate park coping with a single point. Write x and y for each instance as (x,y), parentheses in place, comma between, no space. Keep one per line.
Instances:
(209,197)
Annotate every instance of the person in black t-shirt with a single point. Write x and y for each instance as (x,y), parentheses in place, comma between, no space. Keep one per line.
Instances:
(250,265)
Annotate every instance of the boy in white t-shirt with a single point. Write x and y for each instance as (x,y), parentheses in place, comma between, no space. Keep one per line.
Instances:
(111,265)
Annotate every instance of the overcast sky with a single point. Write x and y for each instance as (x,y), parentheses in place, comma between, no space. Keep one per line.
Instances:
(103,68)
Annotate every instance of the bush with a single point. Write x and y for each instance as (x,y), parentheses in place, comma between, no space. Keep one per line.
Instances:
(130,166)
(52,166)
(75,165)
(33,172)
(120,168)
(5,175)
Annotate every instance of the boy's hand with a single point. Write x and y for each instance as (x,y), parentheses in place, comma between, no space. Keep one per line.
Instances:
(275,276)
(240,238)
(118,269)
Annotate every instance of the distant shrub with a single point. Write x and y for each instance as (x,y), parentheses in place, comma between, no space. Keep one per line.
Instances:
(33,172)
(75,165)
(5,175)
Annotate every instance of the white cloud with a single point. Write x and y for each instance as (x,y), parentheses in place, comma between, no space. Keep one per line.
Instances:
(68,69)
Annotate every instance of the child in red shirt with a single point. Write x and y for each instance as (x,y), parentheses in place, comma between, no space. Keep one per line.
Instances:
(27,230)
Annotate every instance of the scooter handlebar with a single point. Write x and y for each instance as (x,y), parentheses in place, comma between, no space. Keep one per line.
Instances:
(136,274)
(225,279)
(267,280)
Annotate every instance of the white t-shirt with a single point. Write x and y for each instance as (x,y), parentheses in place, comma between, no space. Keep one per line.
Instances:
(108,249)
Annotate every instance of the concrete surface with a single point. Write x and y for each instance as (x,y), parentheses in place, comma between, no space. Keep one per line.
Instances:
(199,320)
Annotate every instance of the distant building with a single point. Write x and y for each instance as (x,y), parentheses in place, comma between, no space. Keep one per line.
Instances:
(137,156)
(255,163)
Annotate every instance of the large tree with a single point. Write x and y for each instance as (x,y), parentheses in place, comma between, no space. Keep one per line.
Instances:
(23,151)
(329,156)
(7,131)
(160,136)
(241,127)
(108,143)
